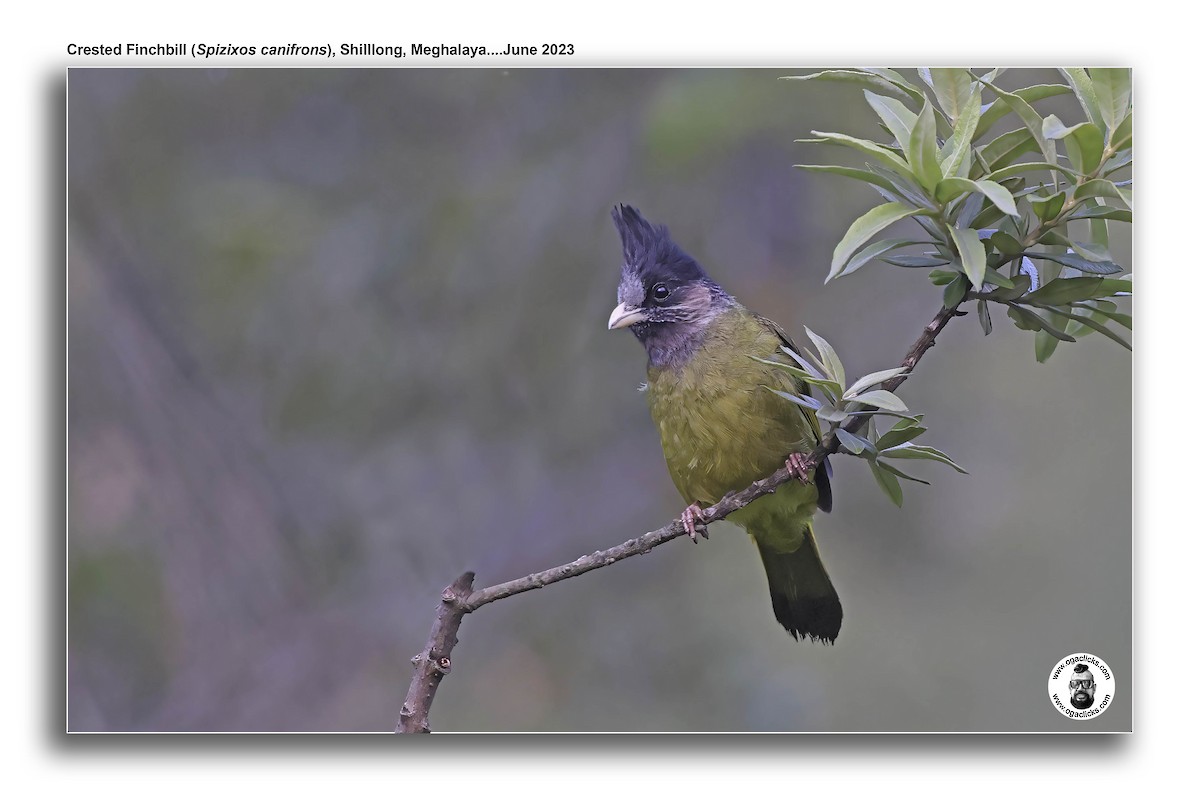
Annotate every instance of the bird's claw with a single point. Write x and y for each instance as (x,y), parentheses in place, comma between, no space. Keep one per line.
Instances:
(798,466)
(693,522)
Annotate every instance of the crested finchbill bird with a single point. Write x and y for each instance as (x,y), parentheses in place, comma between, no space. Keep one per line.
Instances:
(721,427)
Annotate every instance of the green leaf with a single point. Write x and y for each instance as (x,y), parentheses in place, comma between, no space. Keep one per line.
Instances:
(862,229)
(955,291)
(1006,244)
(1123,320)
(943,277)
(881,398)
(1053,127)
(1030,94)
(899,435)
(898,118)
(903,189)
(1013,170)
(950,188)
(970,250)
(1085,147)
(889,484)
(1085,142)
(853,444)
(1111,287)
(1033,121)
(805,400)
(809,367)
(1079,262)
(985,317)
(1123,135)
(954,153)
(1007,148)
(1066,290)
(873,251)
(1092,252)
(916,261)
(831,388)
(895,471)
(874,378)
(1044,346)
(829,358)
(1044,342)
(869,79)
(906,421)
(922,149)
(969,211)
(1081,84)
(873,149)
(1098,188)
(834,416)
(1026,320)
(988,217)
(1120,159)
(1096,326)
(1047,207)
(997,279)
(798,372)
(1102,213)
(1112,94)
(952,87)
(896,78)
(1098,228)
(920,451)
(848,172)
(1053,237)
(1021,285)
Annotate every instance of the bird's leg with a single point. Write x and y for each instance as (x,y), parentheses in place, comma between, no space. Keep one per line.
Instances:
(798,466)
(692,522)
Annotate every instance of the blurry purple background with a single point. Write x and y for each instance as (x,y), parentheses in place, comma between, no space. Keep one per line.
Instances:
(337,335)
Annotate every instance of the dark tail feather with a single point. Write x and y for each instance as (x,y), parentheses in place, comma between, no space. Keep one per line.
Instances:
(802,595)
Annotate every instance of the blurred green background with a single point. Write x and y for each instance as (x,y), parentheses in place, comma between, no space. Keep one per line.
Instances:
(335,336)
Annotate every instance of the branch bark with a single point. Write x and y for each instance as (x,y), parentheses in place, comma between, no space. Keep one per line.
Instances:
(458,599)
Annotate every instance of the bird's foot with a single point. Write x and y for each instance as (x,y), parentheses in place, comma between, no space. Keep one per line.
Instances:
(798,466)
(692,522)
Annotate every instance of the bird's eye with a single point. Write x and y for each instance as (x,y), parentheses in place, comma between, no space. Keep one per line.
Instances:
(660,292)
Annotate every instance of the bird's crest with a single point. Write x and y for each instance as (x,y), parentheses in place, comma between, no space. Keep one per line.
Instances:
(649,248)
(640,238)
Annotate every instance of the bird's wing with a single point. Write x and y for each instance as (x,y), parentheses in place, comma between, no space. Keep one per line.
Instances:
(803,387)
(824,470)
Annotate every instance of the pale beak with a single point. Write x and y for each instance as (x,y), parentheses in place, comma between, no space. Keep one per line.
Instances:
(623,316)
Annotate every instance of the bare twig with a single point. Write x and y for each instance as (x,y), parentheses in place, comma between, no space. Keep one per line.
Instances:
(434,662)
(458,599)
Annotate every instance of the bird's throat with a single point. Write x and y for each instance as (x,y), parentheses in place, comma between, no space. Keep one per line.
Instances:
(670,345)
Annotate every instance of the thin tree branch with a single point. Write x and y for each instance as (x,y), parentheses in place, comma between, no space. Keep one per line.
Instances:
(434,661)
(458,599)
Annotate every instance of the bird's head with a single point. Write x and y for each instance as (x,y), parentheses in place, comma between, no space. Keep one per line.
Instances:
(664,297)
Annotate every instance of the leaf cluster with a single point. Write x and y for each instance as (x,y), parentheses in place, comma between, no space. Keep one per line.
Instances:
(990,203)
(840,406)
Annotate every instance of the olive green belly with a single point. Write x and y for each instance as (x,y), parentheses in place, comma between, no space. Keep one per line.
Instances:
(719,435)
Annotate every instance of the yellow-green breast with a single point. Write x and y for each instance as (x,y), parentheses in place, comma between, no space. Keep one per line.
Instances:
(721,427)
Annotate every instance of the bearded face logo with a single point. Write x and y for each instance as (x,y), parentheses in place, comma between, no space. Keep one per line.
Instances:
(1083,687)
